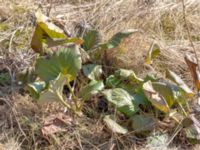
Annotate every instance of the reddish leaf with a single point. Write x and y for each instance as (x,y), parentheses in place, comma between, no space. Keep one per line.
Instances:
(193,66)
(56,123)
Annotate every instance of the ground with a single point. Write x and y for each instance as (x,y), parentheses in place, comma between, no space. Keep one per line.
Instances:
(162,22)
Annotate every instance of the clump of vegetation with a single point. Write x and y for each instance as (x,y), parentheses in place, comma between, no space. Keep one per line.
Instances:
(140,104)
(98,91)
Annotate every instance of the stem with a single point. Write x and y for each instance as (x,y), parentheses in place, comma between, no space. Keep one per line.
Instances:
(182,109)
(187,106)
(62,101)
(177,121)
(74,98)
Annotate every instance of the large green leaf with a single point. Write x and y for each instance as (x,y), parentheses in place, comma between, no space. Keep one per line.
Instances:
(117,38)
(90,89)
(121,75)
(114,126)
(54,91)
(155,98)
(128,75)
(91,39)
(112,81)
(127,87)
(170,92)
(66,61)
(92,71)
(175,78)
(116,81)
(119,82)
(122,100)
(141,123)
(36,88)
(140,98)
(165,90)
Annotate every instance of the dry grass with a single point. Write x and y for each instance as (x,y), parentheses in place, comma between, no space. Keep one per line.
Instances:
(160,21)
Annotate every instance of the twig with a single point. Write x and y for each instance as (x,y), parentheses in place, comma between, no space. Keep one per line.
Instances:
(177,130)
(11,40)
(79,141)
(50,7)
(189,34)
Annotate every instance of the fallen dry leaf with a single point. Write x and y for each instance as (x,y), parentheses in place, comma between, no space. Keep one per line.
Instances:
(193,66)
(56,123)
